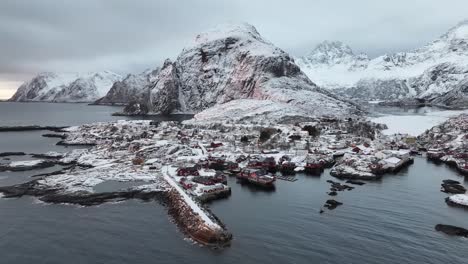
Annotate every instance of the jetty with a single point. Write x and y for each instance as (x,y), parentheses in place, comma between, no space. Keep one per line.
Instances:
(192,217)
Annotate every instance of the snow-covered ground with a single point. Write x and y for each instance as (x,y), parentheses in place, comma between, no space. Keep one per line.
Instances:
(414,124)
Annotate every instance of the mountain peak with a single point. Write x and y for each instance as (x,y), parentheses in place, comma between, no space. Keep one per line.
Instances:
(331,46)
(333,52)
(222,31)
(460,31)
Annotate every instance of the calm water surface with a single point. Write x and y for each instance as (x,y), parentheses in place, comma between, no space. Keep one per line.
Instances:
(390,221)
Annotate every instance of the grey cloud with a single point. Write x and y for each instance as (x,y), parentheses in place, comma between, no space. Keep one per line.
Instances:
(129,35)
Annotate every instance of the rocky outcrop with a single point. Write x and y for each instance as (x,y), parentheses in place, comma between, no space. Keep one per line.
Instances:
(50,195)
(452,230)
(450,186)
(332,204)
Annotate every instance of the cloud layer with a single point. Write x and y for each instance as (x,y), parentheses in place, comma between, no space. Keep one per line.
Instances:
(129,36)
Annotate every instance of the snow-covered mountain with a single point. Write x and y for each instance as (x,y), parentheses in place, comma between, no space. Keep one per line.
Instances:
(233,62)
(66,87)
(134,87)
(428,73)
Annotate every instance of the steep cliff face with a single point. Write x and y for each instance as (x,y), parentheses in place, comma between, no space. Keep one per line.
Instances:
(69,87)
(164,92)
(233,62)
(456,97)
(134,87)
(427,73)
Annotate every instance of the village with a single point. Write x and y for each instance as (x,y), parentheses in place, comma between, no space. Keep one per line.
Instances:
(191,162)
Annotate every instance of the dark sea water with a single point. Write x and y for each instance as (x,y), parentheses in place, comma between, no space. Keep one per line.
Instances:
(389,221)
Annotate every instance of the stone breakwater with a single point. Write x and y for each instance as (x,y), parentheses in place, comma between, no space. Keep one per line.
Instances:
(193,225)
(192,217)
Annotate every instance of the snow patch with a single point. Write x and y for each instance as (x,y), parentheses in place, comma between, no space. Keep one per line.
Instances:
(414,124)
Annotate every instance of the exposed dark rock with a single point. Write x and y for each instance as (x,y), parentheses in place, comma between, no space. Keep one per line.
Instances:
(28,188)
(6,154)
(450,186)
(355,182)
(90,199)
(80,198)
(332,193)
(31,128)
(450,182)
(452,230)
(57,172)
(62,136)
(45,156)
(332,204)
(336,186)
(65,143)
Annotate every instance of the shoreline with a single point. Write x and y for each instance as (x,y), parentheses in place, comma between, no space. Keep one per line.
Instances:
(32,128)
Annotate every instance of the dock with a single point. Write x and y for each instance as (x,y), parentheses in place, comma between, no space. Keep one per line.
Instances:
(287,178)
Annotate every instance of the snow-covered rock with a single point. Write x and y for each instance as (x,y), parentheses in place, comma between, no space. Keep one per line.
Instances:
(134,87)
(233,62)
(458,199)
(260,111)
(66,87)
(430,73)
(25,165)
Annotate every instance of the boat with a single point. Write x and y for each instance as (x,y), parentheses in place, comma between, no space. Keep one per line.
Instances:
(257,177)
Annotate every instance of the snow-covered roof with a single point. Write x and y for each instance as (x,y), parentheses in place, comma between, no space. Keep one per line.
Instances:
(392,160)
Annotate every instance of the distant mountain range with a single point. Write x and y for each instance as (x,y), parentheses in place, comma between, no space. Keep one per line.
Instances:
(66,87)
(436,73)
(238,74)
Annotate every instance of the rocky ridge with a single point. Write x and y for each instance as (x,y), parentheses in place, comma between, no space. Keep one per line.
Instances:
(435,73)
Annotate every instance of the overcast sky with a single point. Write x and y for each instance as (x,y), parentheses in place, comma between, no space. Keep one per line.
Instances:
(132,35)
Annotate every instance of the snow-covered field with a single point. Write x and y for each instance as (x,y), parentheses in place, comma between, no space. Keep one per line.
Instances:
(414,124)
